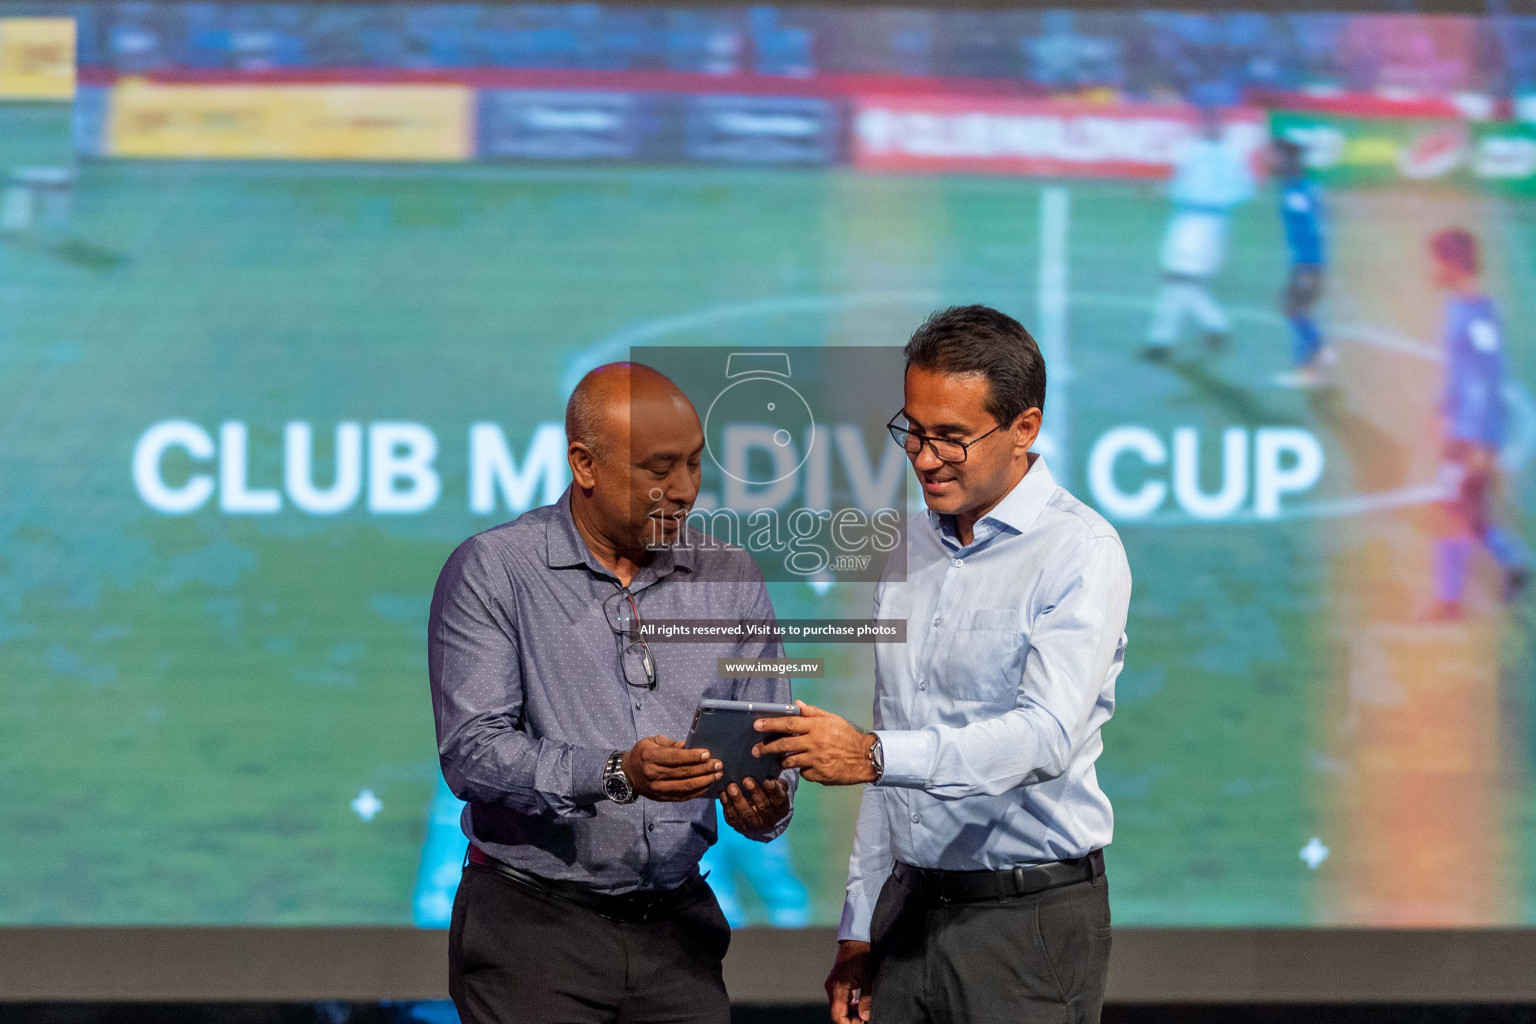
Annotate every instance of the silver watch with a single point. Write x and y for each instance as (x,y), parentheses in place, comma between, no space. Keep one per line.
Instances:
(615,783)
(877,758)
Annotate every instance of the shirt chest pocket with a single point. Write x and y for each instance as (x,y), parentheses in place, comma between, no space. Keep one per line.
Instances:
(982,656)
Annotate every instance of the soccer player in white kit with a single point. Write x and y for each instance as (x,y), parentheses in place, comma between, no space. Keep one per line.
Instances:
(1210,179)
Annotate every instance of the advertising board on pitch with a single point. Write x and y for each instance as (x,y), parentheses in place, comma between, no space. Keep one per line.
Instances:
(991,135)
(1375,150)
(37,58)
(761,130)
(289,122)
(1504,154)
(544,124)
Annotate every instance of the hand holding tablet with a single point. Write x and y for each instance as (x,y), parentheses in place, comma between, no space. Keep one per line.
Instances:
(724,728)
(751,795)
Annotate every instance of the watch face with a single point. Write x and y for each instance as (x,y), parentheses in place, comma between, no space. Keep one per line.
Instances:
(617,786)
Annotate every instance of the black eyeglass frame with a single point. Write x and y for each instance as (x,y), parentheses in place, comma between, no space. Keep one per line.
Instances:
(647,659)
(899,435)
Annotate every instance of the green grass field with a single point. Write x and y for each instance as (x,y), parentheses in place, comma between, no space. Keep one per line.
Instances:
(35,134)
(191,703)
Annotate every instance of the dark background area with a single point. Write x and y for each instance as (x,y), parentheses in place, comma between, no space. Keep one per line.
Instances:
(401,1013)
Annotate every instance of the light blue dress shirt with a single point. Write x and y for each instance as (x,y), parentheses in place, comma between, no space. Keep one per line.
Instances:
(990,713)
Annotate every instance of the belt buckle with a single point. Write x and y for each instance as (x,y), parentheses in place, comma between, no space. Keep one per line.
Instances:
(647,906)
(635,908)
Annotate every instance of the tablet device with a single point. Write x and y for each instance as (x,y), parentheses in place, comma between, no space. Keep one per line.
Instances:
(724,728)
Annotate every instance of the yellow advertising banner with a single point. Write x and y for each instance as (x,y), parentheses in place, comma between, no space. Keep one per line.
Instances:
(37,58)
(291,122)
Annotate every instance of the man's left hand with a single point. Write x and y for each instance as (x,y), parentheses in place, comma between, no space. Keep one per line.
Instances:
(827,748)
(753,807)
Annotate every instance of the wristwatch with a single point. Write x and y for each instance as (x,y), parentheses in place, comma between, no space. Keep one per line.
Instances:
(615,783)
(877,757)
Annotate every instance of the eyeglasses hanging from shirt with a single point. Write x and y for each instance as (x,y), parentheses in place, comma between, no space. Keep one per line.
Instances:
(635,659)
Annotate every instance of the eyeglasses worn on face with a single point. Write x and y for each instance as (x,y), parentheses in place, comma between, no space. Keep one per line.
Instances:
(944,449)
(635,657)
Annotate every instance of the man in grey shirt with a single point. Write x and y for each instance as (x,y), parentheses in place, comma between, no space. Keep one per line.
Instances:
(562,729)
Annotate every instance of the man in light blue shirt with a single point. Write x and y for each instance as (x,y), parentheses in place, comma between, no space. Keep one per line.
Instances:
(976,889)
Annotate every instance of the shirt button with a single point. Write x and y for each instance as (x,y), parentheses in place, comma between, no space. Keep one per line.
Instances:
(938,619)
(916,818)
(651,827)
(922,684)
(959,562)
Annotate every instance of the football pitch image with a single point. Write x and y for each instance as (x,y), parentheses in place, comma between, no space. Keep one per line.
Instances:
(186,692)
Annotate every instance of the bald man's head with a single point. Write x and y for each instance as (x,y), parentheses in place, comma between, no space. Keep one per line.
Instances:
(635,442)
(600,410)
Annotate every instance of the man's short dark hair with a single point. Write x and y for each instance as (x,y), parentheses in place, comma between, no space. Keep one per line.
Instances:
(980,340)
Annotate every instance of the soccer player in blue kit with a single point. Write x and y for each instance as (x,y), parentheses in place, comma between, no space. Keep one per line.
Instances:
(1472,418)
(1302,214)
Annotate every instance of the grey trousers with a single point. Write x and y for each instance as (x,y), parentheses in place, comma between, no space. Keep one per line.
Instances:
(516,957)
(1038,959)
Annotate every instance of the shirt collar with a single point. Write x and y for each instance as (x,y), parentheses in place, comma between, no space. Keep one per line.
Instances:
(1020,507)
(564,546)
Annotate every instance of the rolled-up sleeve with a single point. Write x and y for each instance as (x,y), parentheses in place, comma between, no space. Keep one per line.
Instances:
(477,701)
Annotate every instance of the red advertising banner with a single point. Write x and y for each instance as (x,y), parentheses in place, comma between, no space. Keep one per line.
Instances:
(995,135)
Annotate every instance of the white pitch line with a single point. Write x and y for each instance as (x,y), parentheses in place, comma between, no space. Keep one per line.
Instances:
(616,347)
(1052,300)
(1389,340)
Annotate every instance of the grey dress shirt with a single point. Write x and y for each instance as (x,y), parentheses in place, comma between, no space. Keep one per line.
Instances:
(530,698)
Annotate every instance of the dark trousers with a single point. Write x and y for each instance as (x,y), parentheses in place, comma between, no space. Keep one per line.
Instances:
(518,956)
(1038,959)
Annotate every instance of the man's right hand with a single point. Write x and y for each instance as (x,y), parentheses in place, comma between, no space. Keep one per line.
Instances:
(661,769)
(848,985)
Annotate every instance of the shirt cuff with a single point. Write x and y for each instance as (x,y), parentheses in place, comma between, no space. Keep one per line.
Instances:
(855,923)
(909,756)
(587,764)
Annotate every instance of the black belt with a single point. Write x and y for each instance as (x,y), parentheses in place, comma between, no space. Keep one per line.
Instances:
(629,907)
(979,886)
